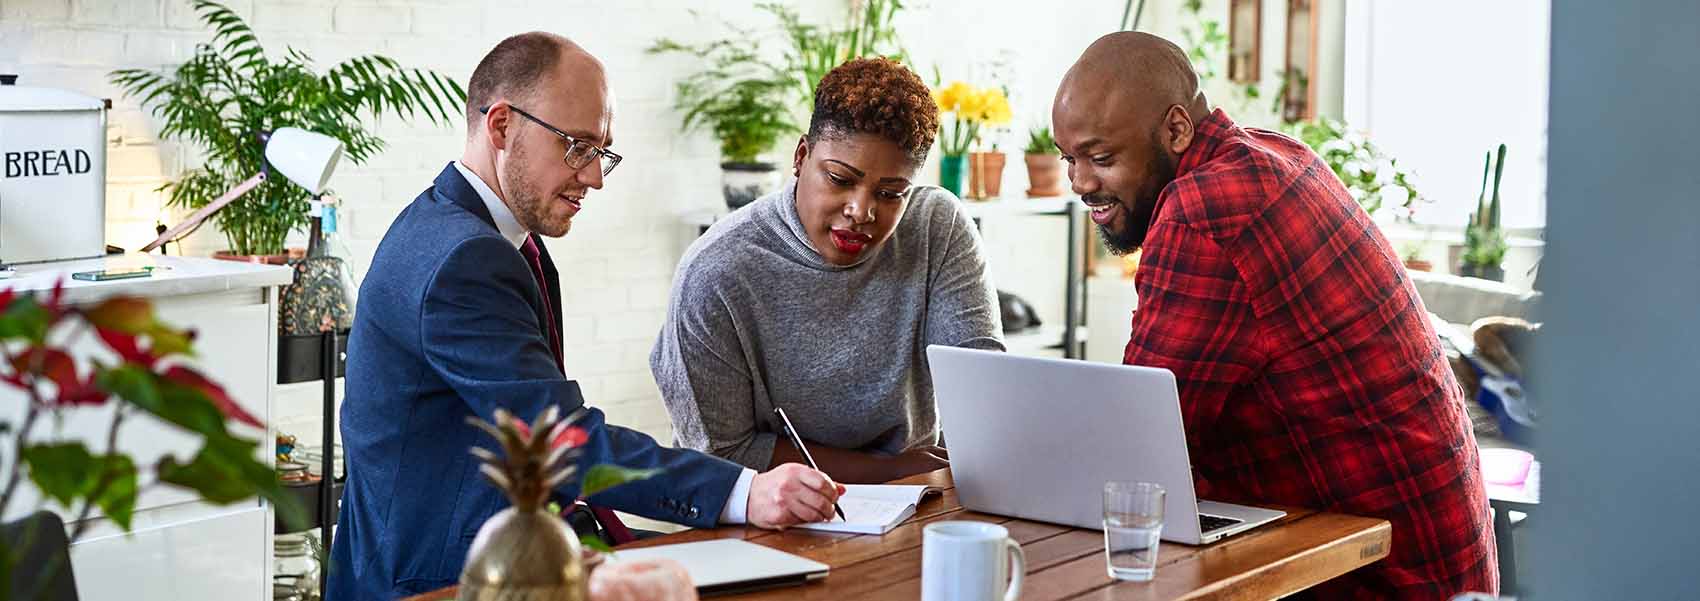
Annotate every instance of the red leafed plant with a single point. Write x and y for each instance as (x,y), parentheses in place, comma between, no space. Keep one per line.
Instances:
(145,374)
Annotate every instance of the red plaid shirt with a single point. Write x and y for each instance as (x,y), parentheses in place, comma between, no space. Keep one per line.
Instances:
(1309,373)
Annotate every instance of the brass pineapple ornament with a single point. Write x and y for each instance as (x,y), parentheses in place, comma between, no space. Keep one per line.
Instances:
(525,553)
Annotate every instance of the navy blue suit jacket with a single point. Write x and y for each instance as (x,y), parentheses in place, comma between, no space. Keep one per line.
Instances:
(447,327)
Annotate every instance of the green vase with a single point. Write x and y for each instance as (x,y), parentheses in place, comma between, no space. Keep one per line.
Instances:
(950,173)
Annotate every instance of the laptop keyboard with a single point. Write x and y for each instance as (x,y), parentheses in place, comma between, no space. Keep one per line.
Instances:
(1209,523)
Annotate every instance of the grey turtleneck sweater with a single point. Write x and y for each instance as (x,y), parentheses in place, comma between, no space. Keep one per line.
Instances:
(759,320)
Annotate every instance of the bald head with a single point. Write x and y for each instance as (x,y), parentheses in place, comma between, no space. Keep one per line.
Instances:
(522,66)
(1124,115)
(1133,72)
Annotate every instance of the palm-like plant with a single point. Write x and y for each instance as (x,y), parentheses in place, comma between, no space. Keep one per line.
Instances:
(231,93)
(749,99)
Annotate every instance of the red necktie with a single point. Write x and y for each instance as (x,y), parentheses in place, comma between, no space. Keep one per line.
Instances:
(535,259)
(616,529)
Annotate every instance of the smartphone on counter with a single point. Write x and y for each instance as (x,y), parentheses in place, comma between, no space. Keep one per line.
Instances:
(112,274)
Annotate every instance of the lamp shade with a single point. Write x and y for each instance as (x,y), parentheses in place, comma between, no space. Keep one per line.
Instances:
(305,157)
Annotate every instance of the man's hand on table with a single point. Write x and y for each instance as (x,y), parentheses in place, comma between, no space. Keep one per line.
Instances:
(791,494)
(652,580)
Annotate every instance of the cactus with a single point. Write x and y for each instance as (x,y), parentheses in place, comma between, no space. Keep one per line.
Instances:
(1484,241)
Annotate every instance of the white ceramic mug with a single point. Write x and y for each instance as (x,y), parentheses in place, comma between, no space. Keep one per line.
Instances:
(970,561)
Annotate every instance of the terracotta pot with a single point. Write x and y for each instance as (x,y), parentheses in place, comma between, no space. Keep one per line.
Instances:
(1044,175)
(986,174)
(1418,265)
(279,259)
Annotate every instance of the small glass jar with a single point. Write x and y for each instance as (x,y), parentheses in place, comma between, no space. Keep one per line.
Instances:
(295,568)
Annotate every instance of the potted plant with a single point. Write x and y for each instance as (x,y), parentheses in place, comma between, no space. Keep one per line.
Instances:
(746,103)
(231,94)
(749,97)
(1372,177)
(1484,239)
(970,109)
(139,367)
(1412,256)
(1044,164)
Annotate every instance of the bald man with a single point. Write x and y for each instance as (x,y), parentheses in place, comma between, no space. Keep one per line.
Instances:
(1309,373)
(459,317)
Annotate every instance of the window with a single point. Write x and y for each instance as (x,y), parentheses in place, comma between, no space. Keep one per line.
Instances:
(1438,84)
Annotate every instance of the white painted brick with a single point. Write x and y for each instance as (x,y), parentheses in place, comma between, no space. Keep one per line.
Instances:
(36,10)
(97,48)
(158,50)
(641,267)
(124,13)
(444,18)
(597,360)
(580,272)
(581,299)
(576,329)
(367,221)
(296,17)
(628,326)
(43,46)
(366,19)
(627,386)
(180,14)
(650,294)
(153,161)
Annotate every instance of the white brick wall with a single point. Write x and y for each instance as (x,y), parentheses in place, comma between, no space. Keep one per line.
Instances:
(619,259)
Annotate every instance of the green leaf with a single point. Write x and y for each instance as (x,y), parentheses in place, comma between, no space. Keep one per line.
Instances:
(63,471)
(25,319)
(593,542)
(225,471)
(181,405)
(603,477)
(67,473)
(118,498)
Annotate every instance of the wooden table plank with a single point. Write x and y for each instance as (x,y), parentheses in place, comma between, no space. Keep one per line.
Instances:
(862,579)
(1299,551)
(1262,565)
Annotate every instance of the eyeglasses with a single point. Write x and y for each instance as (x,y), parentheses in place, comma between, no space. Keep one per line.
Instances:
(579,152)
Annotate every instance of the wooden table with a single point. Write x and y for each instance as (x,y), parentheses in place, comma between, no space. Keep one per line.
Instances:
(1299,551)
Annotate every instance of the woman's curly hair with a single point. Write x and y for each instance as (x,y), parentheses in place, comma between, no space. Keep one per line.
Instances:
(876,96)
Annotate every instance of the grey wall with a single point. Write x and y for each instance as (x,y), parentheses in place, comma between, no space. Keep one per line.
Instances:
(1622,274)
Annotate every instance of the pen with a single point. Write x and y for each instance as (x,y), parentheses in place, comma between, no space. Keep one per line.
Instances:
(797,441)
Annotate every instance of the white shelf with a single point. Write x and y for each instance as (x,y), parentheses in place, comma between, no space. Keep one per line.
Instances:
(1021,205)
(1046,337)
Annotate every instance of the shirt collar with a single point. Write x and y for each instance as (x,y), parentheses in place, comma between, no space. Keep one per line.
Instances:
(1207,136)
(499,212)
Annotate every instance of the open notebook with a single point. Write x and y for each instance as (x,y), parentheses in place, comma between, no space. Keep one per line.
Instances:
(874,508)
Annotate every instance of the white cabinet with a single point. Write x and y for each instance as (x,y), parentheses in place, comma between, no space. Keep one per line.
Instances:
(180,548)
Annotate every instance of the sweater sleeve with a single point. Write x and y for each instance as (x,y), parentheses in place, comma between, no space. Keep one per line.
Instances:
(962,304)
(699,365)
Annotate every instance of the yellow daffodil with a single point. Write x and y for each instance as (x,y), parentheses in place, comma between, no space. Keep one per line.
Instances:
(949,98)
(994,107)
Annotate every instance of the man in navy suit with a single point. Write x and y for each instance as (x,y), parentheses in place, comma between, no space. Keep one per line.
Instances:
(458,317)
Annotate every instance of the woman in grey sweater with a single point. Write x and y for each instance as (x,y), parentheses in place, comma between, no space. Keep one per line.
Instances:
(822,298)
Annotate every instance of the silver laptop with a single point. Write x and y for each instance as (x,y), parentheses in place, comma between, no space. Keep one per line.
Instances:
(726,566)
(1037,439)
